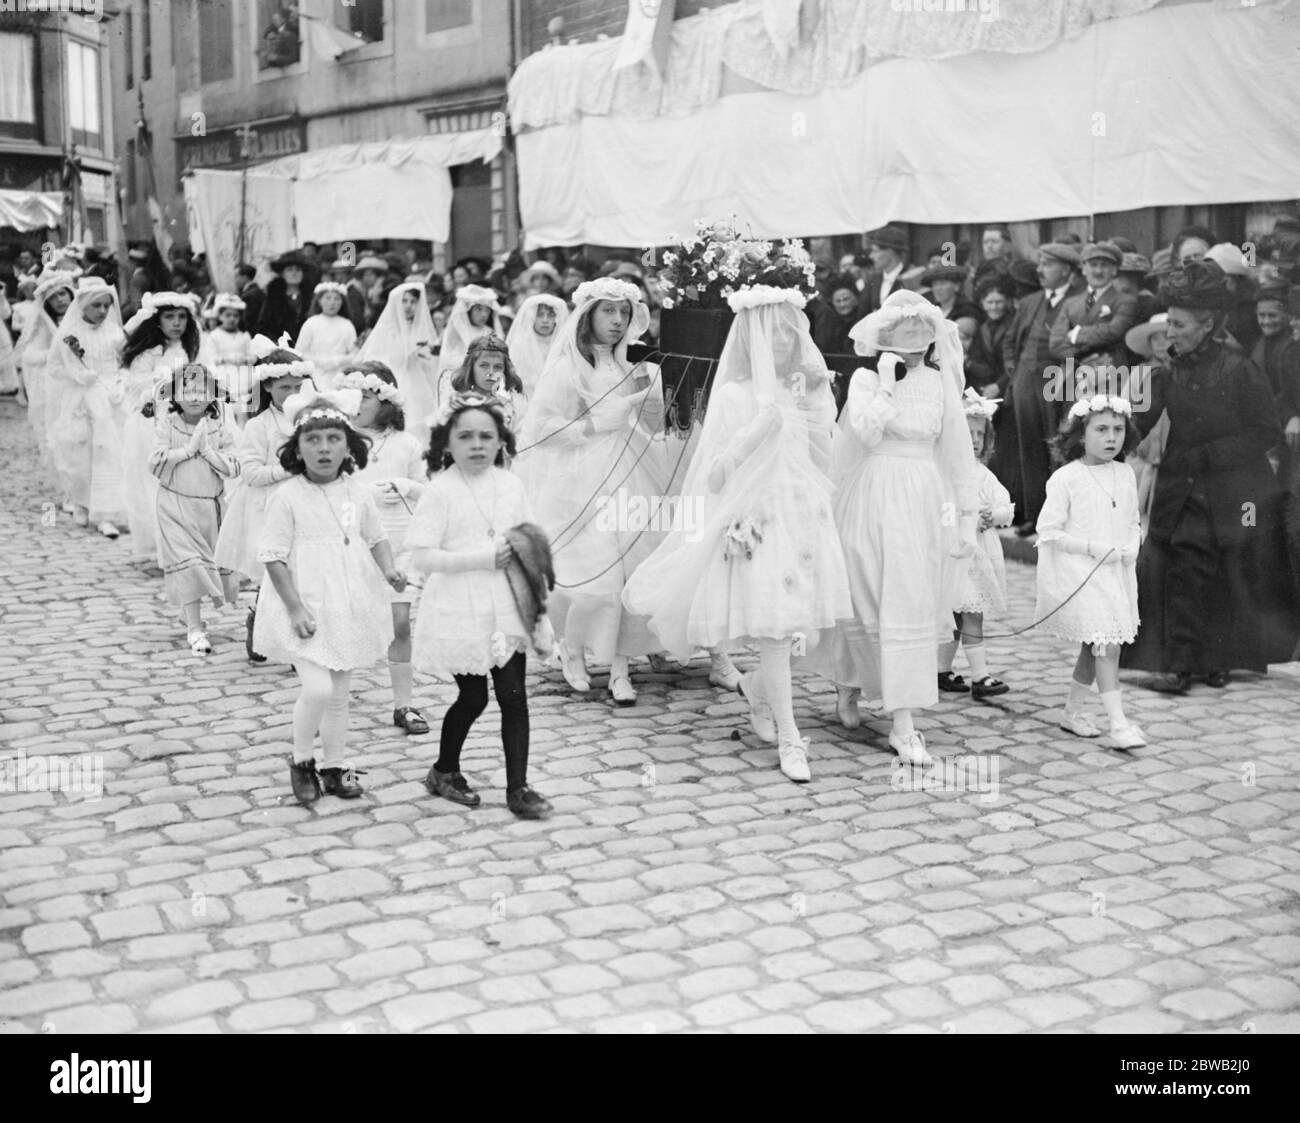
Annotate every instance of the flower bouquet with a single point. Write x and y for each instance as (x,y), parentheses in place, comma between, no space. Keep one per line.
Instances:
(707,268)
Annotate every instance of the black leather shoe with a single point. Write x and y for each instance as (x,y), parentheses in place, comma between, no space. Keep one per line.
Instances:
(305,782)
(1171,683)
(987,687)
(253,656)
(527,804)
(452,786)
(410,719)
(952,683)
(341,782)
(1217,679)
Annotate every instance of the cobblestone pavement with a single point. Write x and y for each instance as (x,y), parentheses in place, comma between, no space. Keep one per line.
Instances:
(683,883)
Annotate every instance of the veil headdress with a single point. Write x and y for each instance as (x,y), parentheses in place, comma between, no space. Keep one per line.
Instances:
(768,360)
(41,327)
(460,332)
(906,321)
(393,341)
(528,351)
(72,377)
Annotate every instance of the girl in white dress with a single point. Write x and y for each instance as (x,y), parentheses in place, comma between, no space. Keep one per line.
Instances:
(228,349)
(488,370)
(9,384)
(530,337)
(279,374)
(51,300)
(902,464)
(476,313)
(193,456)
(1088,535)
(397,477)
(402,339)
(984,587)
(327,338)
(83,377)
(756,559)
(468,626)
(164,333)
(592,452)
(324,606)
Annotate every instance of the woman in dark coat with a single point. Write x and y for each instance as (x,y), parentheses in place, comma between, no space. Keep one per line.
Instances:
(833,317)
(288,299)
(987,374)
(1213,592)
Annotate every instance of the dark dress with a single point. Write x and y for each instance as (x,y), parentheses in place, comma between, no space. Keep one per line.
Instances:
(985,365)
(1213,588)
(280,314)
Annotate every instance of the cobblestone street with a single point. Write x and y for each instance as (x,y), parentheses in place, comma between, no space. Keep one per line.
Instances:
(682,884)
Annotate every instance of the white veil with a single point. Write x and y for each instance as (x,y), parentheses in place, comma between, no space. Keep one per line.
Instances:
(528,350)
(770,420)
(460,332)
(394,340)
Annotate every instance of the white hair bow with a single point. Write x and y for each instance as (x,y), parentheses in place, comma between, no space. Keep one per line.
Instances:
(336,405)
(974,403)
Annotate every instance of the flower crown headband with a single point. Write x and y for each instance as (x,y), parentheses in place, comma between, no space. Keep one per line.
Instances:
(363,381)
(466,399)
(1099,403)
(322,405)
(607,288)
(759,296)
(974,404)
(224,300)
(330,286)
(261,346)
(489,342)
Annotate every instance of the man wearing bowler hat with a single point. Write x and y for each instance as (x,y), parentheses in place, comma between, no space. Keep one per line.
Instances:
(1091,330)
(1025,354)
(888,266)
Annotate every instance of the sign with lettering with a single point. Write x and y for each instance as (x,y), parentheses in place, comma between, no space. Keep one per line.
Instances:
(221,147)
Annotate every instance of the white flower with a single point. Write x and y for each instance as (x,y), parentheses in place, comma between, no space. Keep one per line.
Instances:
(713,274)
(670,258)
(667,302)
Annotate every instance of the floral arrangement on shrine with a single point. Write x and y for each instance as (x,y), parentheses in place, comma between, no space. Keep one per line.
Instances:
(717,261)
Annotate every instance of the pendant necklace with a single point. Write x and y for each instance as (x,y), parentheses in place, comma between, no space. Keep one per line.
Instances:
(347,541)
(491,522)
(1109,494)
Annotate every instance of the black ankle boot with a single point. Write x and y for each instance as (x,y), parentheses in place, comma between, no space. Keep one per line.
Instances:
(253,656)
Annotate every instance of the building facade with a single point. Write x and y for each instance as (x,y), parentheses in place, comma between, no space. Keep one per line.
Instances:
(212,83)
(56,130)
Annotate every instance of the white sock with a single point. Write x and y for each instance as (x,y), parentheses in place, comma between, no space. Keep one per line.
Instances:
(1079,695)
(720,663)
(618,668)
(977,657)
(1114,703)
(401,676)
(903,722)
(774,671)
(947,653)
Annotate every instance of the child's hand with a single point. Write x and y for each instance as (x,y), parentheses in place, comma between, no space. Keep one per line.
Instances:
(396,579)
(504,553)
(304,623)
(986,518)
(1127,554)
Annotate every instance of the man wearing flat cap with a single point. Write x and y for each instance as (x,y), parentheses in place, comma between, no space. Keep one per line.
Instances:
(888,267)
(1025,355)
(1092,328)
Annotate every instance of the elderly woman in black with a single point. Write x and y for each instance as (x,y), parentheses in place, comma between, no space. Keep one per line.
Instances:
(1211,574)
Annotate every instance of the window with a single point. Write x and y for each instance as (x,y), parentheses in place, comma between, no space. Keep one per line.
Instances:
(216,41)
(279,44)
(83,94)
(443,15)
(128,35)
(363,19)
(18,86)
(146,34)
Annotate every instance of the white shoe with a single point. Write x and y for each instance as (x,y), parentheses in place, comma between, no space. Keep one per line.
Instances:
(199,643)
(1127,737)
(723,673)
(910,748)
(574,669)
(1080,724)
(67,507)
(622,691)
(846,706)
(81,516)
(108,530)
(760,713)
(794,760)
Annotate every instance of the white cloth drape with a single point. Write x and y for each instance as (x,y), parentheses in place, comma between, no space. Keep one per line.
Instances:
(1175,106)
(17,78)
